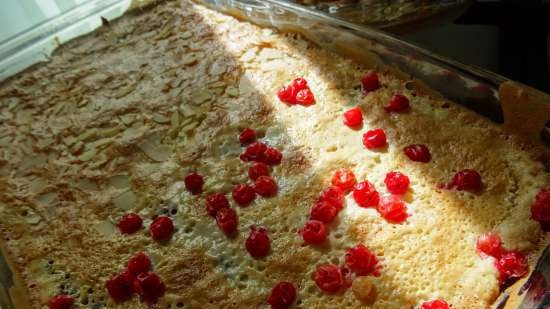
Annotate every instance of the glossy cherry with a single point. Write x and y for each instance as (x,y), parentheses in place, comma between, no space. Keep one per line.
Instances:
(149,286)
(227,220)
(305,97)
(393,209)
(282,296)
(162,228)
(324,211)
(375,139)
(265,186)
(365,194)
(258,169)
(215,202)
(435,304)
(370,83)
(272,156)
(344,179)
(120,287)
(258,243)
(243,194)
(467,179)
(313,232)
(247,136)
(511,265)
(397,183)
(287,94)
(418,153)
(333,195)
(254,152)
(489,244)
(362,261)
(61,301)
(193,183)
(329,278)
(129,223)
(139,263)
(353,117)
(298,92)
(398,103)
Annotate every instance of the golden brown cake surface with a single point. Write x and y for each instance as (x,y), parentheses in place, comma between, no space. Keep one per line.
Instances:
(116,119)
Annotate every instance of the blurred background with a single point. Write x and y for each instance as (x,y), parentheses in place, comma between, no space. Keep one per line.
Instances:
(509,37)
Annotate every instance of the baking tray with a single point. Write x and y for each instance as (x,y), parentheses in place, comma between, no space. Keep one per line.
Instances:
(470,86)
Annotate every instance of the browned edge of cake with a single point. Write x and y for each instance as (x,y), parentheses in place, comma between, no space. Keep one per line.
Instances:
(18,293)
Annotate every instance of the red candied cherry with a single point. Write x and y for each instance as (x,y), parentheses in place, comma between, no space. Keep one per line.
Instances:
(362,261)
(329,278)
(344,179)
(353,117)
(258,169)
(149,287)
(418,153)
(244,194)
(215,202)
(365,195)
(258,243)
(489,244)
(396,182)
(254,152)
(393,209)
(193,183)
(300,83)
(287,94)
(398,103)
(272,156)
(265,186)
(247,136)
(129,223)
(370,83)
(466,180)
(511,265)
(324,212)
(373,139)
(61,301)
(297,92)
(282,296)
(333,195)
(162,228)
(139,263)
(305,97)
(435,304)
(540,211)
(120,287)
(313,232)
(227,220)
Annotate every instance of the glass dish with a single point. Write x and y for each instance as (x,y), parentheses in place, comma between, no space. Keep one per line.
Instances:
(390,14)
(470,86)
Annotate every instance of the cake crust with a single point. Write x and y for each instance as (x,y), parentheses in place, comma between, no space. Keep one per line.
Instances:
(116,119)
